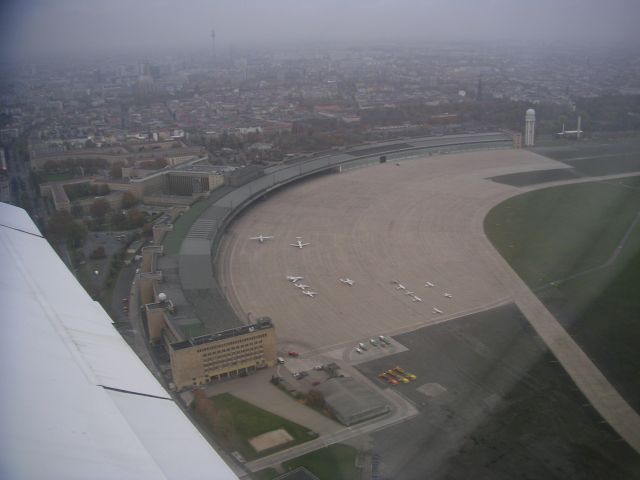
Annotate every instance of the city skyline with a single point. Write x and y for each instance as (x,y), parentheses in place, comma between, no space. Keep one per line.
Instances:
(70,26)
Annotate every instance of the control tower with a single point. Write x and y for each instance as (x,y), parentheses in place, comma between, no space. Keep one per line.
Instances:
(529,127)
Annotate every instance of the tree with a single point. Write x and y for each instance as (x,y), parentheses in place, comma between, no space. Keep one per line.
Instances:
(99,209)
(62,227)
(128,200)
(118,221)
(77,234)
(315,399)
(103,189)
(58,225)
(136,218)
(76,210)
(98,253)
(116,169)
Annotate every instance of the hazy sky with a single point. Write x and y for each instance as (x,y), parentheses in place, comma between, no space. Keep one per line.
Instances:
(54,26)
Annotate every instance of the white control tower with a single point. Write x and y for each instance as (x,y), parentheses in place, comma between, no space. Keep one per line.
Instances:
(529,127)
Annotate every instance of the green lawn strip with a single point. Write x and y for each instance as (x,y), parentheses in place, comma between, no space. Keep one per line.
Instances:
(336,462)
(55,177)
(238,421)
(266,474)
(550,234)
(173,239)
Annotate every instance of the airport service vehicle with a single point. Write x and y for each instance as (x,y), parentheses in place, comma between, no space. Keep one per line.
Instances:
(385,339)
(362,346)
(402,372)
(397,376)
(373,342)
(388,379)
(293,354)
(358,349)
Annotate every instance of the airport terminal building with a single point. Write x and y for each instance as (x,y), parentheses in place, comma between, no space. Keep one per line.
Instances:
(198,352)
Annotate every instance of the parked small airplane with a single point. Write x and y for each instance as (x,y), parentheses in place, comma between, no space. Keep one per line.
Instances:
(429,284)
(309,293)
(261,238)
(294,278)
(347,281)
(417,298)
(301,286)
(410,293)
(299,243)
(448,295)
(401,287)
(436,310)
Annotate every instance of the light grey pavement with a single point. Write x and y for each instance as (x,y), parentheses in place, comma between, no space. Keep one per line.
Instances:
(257,390)
(361,225)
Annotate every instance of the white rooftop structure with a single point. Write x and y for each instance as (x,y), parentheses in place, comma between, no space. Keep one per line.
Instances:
(77,402)
(529,127)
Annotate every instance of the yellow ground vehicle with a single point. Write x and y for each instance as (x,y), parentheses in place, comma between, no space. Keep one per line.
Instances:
(397,376)
(405,374)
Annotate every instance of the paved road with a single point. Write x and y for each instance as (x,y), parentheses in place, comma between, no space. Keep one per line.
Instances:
(360,224)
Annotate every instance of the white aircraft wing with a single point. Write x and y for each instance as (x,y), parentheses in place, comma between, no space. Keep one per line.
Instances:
(77,402)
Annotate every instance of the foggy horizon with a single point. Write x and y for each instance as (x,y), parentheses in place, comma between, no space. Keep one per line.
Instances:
(38,28)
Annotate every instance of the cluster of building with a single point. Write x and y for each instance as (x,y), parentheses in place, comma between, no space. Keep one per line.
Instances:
(109,104)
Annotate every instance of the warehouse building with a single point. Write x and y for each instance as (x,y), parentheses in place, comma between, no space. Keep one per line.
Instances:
(351,401)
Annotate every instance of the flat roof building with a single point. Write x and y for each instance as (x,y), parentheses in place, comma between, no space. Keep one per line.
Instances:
(200,350)
(350,401)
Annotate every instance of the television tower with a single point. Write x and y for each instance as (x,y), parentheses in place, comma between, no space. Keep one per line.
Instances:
(529,127)
(213,44)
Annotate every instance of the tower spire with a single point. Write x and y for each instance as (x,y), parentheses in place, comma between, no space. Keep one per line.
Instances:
(213,44)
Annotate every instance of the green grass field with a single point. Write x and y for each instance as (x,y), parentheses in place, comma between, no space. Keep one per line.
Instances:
(55,177)
(266,474)
(337,462)
(561,241)
(550,234)
(238,421)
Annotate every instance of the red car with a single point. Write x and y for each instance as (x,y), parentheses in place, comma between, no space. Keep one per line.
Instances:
(293,354)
